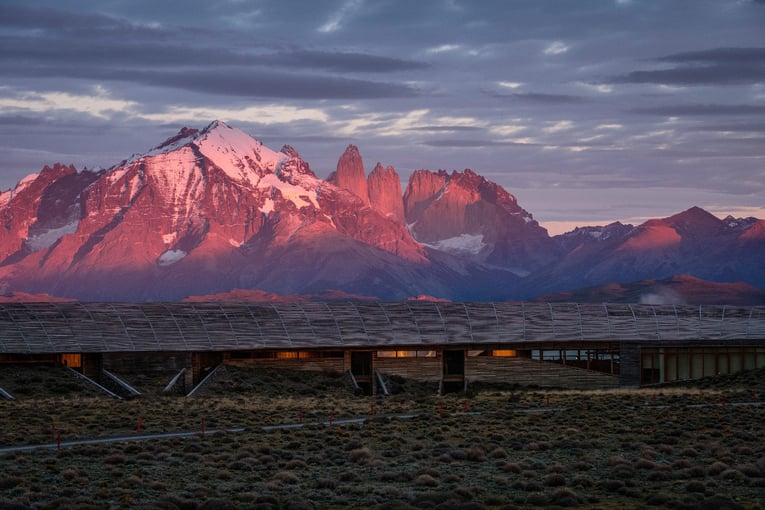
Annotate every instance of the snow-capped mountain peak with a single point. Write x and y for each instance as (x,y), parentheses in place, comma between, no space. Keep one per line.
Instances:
(240,156)
(243,158)
(214,209)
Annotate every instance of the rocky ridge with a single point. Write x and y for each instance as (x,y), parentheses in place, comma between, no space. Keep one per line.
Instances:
(213,210)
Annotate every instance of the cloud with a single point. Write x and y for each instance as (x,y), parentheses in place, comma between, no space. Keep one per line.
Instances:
(340,61)
(83,56)
(561,125)
(701,109)
(556,48)
(241,82)
(261,114)
(733,74)
(403,123)
(717,66)
(98,105)
(510,84)
(506,130)
(535,97)
(456,142)
(392,124)
(600,88)
(720,56)
(336,20)
(444,128)
(663,296)
(444,48)
(743,127)
(54,20)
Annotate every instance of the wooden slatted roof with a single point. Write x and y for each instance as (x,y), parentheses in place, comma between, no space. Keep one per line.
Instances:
(120,327)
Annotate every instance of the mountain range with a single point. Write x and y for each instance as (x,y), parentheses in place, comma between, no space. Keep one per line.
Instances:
(214,211)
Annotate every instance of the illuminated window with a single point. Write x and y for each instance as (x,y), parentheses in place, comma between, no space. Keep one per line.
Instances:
(71,360)
(287,355)
(406,354)
(504,353)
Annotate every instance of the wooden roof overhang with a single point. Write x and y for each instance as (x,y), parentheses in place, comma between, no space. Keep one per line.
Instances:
(217,326)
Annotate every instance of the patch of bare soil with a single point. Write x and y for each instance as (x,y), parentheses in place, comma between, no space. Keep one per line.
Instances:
(498,447)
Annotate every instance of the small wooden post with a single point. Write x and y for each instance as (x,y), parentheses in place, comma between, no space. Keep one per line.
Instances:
(138,428)
(441,410)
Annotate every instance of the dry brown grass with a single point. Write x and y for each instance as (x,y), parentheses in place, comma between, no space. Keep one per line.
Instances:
(620,451)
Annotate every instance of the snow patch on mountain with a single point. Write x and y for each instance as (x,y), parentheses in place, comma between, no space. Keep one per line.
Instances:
(298,195)
(267,207)
(47,238)
(462,244)
(170,257)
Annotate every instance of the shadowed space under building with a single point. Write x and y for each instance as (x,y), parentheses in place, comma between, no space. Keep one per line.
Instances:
(565,345)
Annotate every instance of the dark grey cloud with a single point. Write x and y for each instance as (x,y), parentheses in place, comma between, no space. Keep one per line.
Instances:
(340,61)
(83,54)
(681,110)
(536,97)
(456,142)
(743,127)
(240,82)
(720,56)
(716,66)
(254,84)
(697,75)
(20,120)
(24,17)
(51,43)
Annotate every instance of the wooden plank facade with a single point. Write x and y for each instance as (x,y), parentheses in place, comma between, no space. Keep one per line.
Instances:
(561,344)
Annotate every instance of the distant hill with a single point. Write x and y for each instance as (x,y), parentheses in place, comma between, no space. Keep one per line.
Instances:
(681,289)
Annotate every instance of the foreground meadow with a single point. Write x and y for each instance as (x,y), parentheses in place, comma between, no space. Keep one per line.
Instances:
(686,447)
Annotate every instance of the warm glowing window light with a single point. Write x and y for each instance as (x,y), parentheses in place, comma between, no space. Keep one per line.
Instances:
(406,354)
(71,360)
(504,353)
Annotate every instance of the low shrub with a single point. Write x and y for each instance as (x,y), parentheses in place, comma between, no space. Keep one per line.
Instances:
(563,496)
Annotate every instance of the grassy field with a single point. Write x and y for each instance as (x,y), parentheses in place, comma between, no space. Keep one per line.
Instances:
(692,446)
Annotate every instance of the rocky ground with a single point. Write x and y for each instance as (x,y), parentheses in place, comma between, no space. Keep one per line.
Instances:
(692,446)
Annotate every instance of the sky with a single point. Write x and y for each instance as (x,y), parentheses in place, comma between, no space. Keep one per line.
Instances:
(587,111)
